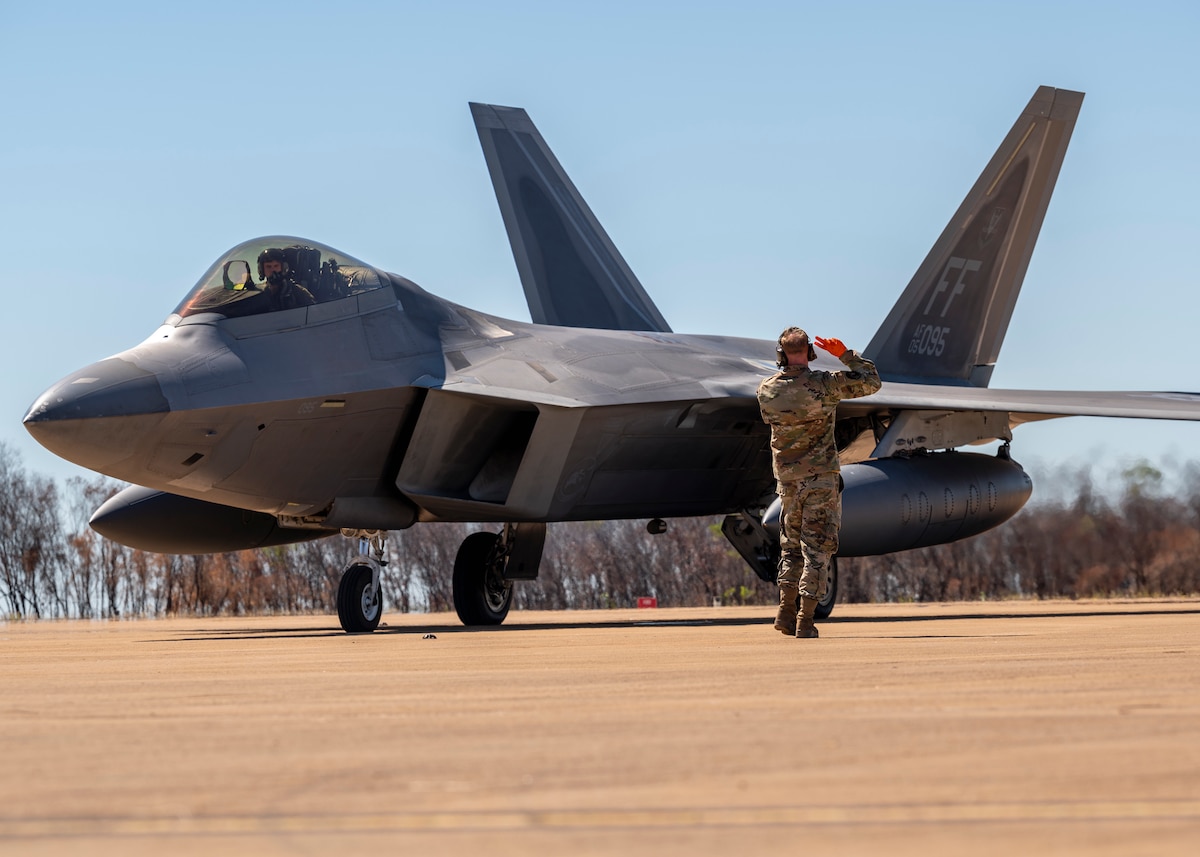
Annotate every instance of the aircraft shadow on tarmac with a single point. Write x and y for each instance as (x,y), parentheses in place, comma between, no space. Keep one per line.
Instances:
(517,626)
(451,627)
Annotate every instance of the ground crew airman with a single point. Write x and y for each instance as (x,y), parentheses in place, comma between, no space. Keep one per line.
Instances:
(799,404)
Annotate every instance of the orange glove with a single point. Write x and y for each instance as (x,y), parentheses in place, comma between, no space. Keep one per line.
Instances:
(834,346)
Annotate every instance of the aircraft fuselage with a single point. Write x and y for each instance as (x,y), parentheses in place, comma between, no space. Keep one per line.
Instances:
(402,406)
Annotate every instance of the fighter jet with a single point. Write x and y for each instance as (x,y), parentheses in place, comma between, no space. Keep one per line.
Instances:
(297,392)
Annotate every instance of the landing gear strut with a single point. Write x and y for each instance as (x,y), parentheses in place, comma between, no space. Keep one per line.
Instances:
(486,566)
(755,535)
(360,593)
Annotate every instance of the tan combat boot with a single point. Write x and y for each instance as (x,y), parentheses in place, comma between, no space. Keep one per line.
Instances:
(785,619)
(805,629)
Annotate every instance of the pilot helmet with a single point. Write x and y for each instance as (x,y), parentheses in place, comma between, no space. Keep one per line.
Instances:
(271,254)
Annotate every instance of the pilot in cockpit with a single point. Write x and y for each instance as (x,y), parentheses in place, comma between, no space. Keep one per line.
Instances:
(277,283)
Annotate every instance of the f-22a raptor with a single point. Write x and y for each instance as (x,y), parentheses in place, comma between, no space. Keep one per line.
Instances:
(296,392)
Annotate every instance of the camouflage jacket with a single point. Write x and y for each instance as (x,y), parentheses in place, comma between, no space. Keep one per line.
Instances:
(799,405)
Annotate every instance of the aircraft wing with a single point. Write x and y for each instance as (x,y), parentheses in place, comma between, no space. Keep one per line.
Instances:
(1031,405)
(908,417)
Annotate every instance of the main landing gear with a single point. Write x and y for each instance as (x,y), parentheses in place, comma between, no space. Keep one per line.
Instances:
(826,602)
(486,566)
(755,535)
(360,593)
(484,571)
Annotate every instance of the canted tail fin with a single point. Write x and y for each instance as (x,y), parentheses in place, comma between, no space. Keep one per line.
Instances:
(949,323)
(572,273)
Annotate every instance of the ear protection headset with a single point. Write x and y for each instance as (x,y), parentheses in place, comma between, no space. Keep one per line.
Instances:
(781,356)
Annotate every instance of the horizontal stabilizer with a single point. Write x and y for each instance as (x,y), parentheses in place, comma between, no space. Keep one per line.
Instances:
(572,273)
(949,323)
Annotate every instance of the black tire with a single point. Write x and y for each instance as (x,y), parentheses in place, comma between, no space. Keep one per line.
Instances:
(481,595)
(359,610)
(825,605)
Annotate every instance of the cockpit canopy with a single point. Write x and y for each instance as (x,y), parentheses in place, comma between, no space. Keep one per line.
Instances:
(276,273)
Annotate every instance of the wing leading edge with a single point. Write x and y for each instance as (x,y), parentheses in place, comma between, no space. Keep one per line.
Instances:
(1029,405)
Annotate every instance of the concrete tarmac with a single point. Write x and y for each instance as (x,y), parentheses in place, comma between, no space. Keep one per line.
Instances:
(979,728)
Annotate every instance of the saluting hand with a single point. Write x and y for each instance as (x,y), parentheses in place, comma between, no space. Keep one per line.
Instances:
(834,346)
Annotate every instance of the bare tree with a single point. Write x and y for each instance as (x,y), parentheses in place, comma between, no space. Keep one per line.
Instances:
(1132,537)
(31,541)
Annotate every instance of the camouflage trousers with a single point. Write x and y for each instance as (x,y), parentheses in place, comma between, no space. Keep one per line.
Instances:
(808,532)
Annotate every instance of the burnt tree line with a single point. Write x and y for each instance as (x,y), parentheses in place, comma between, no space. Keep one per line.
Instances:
(1130,538)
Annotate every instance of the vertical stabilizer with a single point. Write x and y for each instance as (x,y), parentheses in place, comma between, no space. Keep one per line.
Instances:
(949,324)
(571,271)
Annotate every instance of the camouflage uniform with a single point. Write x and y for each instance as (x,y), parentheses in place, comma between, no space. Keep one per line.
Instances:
(799,404)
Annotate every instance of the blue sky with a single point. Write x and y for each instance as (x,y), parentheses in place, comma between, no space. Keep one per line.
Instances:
(759,164)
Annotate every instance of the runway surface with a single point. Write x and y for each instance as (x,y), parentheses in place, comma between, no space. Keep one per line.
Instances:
(979,728)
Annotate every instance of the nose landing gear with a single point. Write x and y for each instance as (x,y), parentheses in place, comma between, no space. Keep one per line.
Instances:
(360,592)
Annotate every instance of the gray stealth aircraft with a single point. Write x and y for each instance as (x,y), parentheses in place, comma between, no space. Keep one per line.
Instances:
(331,396)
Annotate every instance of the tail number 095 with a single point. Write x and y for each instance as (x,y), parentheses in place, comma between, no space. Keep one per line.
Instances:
(929,339)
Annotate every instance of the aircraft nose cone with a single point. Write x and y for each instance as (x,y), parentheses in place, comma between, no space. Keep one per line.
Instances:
(98,414)
(110,388)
